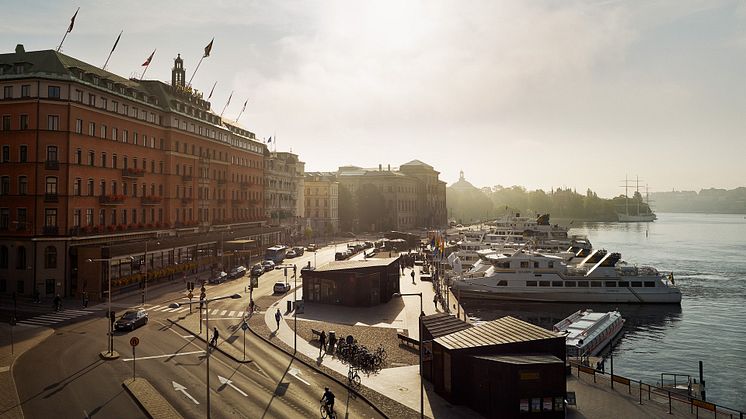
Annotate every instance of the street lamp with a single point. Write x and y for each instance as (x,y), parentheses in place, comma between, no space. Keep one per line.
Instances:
(207,329)
(111,331)
(145,286)
(422,385)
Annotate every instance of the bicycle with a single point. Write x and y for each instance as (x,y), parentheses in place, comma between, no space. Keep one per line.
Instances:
(327,412)
(354,378)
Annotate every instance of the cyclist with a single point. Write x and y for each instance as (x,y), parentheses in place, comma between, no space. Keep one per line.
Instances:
(328,397)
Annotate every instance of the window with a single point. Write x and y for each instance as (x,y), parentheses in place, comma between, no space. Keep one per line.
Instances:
(114,134)
(8,92)
(623,284)
(103,159)
(91,158)
(6,153)
(4,185)
(114,161)
(53,92)
(22,185)
(104,103)
(636,284)
(79,96)
(102,216)
(125,136)
(50,187)
(6,122)
(26,90)
(90,187)
(524,264)
(91,129)
(91,99)
(569,283)
(21,257)
(89,216)
(595,284)
(50,217)
(24,122)
(78,157)
(76,217)
(23,154)
(52,153)
(115,106)
(543,283)
(550,264)
(649,284)
(103,131)
(53,122)
(583,283)
(557,283)
(610,284)
(530,283)
(77,185)
(3,257)
(50,257)
(4,218)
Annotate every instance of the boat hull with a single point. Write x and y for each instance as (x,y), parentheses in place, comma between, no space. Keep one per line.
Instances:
(618,295)
(642,218)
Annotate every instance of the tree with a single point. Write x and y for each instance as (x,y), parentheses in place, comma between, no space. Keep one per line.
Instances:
(308,233)
(346,209)
(372,208)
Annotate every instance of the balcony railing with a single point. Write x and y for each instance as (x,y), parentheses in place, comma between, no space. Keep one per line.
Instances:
(245,185)
(51,197)
(50,230)
(111,199)
(150,200)
(221,201)
(186,201)
(221,182)
(52,165)
(186,178)
(237,202)
(133,172)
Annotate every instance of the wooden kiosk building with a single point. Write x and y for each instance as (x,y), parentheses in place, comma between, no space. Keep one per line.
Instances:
(357,283)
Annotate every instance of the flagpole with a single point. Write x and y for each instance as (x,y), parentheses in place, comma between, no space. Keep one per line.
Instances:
(195,71)
(212,90)
(69,29)
(226,104)
(112,50)
(149,61)
(242,109)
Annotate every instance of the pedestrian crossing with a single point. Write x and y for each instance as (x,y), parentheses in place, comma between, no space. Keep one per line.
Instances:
(47,320)
(213,312)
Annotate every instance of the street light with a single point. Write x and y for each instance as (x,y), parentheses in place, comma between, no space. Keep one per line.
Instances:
(207,329)
(111,331)
(422,385)
(145,286)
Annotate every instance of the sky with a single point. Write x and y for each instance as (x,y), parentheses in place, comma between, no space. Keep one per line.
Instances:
(542,94)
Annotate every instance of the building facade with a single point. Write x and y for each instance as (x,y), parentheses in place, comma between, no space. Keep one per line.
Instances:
(321,203)
(283,191)
(89,157)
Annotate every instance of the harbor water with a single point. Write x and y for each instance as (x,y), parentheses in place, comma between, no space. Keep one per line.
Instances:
(707,254)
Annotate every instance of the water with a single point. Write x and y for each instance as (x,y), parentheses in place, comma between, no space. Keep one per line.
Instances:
(707,253)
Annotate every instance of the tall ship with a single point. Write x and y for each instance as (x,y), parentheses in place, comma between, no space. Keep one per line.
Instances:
(638,211)
(527,275)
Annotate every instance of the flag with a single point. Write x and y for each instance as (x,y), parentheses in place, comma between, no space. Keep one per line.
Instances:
(270,140)
(212,90)
(451,258)
(72,21)
(115,43)
(229,100)
(208,48)
(147,62)
(244,105)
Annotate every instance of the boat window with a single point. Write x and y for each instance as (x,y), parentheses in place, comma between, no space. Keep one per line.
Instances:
(569,283)
(595,283)
(636,284)
(536,264)
(556,283)
(537,274)
(543,283)
(610,284)
(582,283)
(502,283)
(530,283)
(551,264)
(649,284)
(524,264)
(624,283)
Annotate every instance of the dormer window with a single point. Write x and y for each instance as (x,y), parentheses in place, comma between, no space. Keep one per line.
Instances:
(19,68)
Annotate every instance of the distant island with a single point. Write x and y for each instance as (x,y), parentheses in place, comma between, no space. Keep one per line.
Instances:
(722,201)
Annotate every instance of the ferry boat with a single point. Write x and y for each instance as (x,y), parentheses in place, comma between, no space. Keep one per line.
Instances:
(588,332)
(533,276)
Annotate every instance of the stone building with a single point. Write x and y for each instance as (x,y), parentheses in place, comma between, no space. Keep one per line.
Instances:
(321,203)
(283,191)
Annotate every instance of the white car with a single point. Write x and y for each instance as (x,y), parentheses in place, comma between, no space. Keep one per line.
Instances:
(281,287)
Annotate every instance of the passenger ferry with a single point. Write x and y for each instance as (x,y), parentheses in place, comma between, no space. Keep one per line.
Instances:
(533,276)
(588,332)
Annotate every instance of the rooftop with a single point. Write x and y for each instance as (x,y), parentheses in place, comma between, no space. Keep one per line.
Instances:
(496,332)
(344,265)
(441,324)
(522,359)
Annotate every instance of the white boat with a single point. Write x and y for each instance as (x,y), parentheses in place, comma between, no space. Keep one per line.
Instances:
(587,332)
(534,276)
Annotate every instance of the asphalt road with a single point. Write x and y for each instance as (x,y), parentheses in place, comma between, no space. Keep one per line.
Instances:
(64,377)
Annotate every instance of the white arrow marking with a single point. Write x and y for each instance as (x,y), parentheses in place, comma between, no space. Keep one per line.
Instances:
(224,380)
(295,373)
(179,387)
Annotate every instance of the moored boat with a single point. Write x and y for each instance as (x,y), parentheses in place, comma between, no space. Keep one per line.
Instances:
(588,332)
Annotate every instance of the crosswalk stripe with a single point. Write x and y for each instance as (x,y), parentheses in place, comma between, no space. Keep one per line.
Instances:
(39,322)
(53,318)
(154,307)
(222,313)
(81,312)
(233,313)
(24,323)
(164,309)
(214,312)
(183,309)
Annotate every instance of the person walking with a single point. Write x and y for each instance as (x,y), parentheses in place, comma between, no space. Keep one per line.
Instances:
(278,316)
(57,302)
(322,343)
(413,276)
(85,299)
(215,335)
(435,301)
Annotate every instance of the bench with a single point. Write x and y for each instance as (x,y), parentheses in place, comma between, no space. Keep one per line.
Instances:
(406,340)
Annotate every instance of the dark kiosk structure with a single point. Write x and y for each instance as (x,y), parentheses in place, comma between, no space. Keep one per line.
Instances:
(505,368)
(358,283)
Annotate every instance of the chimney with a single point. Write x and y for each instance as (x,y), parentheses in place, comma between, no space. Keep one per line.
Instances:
(20,49)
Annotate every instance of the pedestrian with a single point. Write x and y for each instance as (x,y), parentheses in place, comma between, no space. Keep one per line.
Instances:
(322,342)
(37,298)
(435,301)
(332,342)
(413,276)
(85,299)
(251,307)
(215,335)
(278,316)
(57,302)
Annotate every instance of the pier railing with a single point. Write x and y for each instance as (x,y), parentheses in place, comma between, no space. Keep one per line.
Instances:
(659,395)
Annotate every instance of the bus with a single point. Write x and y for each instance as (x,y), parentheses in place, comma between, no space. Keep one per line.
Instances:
(276,253)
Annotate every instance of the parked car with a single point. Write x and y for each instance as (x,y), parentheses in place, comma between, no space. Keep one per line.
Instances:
(268,265)
(299,250)
(131,320)
(237,272)
(291,254)
(218,278)
(312,247)
(340,256)
(281,287)
(257,270)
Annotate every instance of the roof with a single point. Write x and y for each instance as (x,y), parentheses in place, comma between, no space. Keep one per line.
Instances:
(417,163)
(344,265)
(496,332)
(441,324)
(522,359)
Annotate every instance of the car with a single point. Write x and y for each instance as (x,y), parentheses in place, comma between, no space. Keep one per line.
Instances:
(131,320)
(340,256)
(268,265)
(257,270)
(281,287)
(312,247)
(218,278)
(299,250)
(291,254)
(237,272)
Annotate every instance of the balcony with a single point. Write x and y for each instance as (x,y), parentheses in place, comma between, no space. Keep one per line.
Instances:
(244,185)
(51,198)
(52,165)
(222,182)
(237,202)
(133,172)
(186,201)
(111,199)
(186,178)
(150,200)
(50,230)
(221,201)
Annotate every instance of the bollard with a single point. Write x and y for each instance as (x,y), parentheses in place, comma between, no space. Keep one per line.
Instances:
(640,381)
(669,402)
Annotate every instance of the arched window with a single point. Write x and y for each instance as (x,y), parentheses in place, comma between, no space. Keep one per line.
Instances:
(50,257)
(21,258)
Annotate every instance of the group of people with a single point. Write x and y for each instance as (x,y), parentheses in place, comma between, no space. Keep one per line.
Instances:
(323,341)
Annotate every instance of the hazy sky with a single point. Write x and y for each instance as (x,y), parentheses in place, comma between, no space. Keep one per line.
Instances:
(534,93)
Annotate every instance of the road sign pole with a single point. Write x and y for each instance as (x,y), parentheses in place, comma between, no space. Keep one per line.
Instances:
(244,345)
(133,363)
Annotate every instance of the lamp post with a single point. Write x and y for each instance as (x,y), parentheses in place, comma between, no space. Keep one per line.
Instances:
(207,341)
(145,285)
(111,332)
(422,385)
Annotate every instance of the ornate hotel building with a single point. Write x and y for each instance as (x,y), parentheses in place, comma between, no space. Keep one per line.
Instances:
(98,170)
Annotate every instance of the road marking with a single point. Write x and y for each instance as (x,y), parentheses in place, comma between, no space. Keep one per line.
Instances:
(163,356)
(37,322)
(222,313)
(232,313)
(179,387)
(21,323)
(224,380)
(214,312)
(296,373)
(183,309)
(187,336)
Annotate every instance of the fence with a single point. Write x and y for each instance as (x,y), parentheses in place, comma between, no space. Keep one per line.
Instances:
(660,395)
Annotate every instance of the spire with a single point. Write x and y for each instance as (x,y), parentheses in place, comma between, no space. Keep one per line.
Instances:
(178,73)
(461,175)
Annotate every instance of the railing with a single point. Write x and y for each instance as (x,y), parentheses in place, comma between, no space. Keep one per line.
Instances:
(50,230)
(133,172)
(111,199)
(52,165)
(51,197)
(660,395)
(150,200)
(186,201)
(222,181)
(244,185)
(186,178)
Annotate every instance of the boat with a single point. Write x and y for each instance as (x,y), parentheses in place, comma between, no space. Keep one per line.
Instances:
(528,275)
(587,332)
(641,214)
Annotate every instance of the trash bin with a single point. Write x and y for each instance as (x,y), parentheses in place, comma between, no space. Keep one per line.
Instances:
(332,335)
(290,306)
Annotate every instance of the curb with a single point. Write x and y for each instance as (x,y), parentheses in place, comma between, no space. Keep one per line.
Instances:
(184,328)
(310,365)
(172,412)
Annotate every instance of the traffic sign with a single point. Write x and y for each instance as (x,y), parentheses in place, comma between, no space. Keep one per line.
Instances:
(244,326)
(190,295)
(134,341)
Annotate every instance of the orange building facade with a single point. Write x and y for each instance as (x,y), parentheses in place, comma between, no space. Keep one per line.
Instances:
(89,158)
